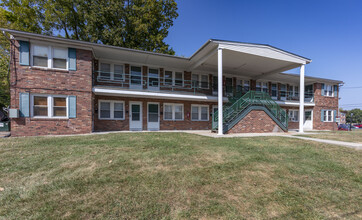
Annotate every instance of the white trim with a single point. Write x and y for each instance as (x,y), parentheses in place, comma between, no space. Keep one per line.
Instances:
(50,56)
(173,111)
(199,78)
(199,112)
(135,86)
(158,104)
(112,68)
(135,93)
(173,77)
(112,102)
(50,106)
(293,112)
(293,103)
(130,115)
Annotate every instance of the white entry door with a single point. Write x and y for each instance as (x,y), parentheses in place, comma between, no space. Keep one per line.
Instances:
(135,116)
(308,120)
(153,116)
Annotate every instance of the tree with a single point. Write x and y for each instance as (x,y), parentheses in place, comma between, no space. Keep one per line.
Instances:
(356,118)
(20,15)
(137,24)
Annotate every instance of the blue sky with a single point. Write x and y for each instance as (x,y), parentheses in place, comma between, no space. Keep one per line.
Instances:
(327,31)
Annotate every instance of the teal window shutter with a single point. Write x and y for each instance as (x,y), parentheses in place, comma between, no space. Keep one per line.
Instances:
(24,103)
(24,52)
(335,90)
(72,59)
(72,110)
(322,115)
(323,89)
(334,115)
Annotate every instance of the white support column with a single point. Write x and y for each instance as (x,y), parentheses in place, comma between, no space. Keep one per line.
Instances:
(301,98)
(219,92)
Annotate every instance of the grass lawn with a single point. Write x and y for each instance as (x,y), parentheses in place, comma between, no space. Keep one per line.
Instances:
(177,176)
(348,136)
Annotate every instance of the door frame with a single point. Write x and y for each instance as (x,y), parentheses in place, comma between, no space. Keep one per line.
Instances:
(159,122)
(130,114)
(311,116)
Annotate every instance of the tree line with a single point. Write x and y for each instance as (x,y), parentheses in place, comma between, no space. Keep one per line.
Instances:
(136,24)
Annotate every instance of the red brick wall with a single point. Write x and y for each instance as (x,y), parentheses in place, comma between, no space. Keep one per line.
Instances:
(53,82)
(257,121)
(120,125)
(323,103)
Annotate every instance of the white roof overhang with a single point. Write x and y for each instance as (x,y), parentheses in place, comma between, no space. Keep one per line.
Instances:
(254,60)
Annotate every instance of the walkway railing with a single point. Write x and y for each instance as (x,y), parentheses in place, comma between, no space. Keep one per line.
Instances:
(251,98)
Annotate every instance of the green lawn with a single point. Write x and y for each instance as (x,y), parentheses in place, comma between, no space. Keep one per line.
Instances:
(348,136)
(177,176)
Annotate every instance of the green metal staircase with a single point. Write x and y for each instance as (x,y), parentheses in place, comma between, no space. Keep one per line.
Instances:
(252,100)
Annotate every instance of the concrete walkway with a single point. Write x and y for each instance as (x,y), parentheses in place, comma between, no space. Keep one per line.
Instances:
(340,143)
(291,134)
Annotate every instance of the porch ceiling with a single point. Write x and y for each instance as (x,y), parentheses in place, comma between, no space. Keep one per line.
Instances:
(252,60)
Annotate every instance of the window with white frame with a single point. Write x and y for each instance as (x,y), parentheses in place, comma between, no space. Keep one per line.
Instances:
(329,90)
(328,116)
(293,92)
(199,112)
(293,115)
(200,81)
(173,78)
(173,111)
(49,56)
(49,106)
(111,71)
(111,110)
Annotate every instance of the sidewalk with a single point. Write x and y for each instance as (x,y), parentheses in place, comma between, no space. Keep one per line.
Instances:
(291,134)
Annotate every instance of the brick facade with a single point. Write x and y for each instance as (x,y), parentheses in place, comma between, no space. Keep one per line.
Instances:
(79,83)
(123,125)
(257,121)
(53,82)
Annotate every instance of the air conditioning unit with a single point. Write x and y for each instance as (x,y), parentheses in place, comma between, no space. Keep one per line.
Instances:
(13,113)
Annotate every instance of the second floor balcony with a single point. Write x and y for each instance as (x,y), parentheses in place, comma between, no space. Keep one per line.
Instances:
(179,82)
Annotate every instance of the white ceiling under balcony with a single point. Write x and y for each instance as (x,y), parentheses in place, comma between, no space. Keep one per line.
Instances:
(254,60)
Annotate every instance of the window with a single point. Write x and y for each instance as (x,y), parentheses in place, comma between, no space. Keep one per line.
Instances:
(40,107)
(265,87)
(258,87)
(111,110)
(229,85)
(293,115)
(173,112)
(111,71)
(274,90)
(283,92)
(293,92)
(173,78)
(199,112)
(246,85)
(59,107)
(308,91)
(153,77)
(60,56)
(328,90)
(49,106)
(49,56)
(179,79)
(40,56)
(200,81)
(328,115)
(136,75)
